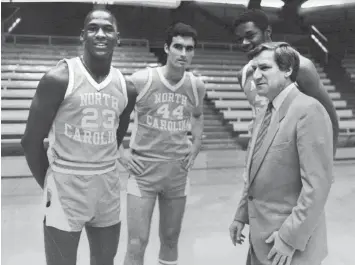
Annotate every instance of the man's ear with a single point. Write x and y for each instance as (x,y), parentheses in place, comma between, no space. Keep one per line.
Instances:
(268,31)
(82,36)
(288,72)
(166,48)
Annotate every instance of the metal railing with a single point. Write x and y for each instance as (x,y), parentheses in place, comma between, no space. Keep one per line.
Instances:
(10,20)
(63,40)
(216,45)
(321,41)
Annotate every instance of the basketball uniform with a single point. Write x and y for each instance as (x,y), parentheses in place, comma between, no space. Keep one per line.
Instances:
(160,135)
(82,183)
(259,101)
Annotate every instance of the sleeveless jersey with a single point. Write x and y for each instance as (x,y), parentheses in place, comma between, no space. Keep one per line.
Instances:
(82,140)
(163,117)
(259,101)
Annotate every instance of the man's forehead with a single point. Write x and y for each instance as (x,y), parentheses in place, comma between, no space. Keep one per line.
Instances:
(183,40)
(101,21)
(100,17)
(246,27)
(265,57)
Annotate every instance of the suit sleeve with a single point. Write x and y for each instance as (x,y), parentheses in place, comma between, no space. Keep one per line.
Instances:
(242,211)
(315,151)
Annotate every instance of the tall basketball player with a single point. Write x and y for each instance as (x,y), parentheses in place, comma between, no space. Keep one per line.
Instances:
(253,28)
(169,102)
(80,104)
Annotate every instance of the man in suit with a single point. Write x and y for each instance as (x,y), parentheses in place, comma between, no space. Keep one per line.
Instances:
(289,167)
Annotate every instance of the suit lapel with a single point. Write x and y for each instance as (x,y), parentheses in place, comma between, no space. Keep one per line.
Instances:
(257,123)
(270,135)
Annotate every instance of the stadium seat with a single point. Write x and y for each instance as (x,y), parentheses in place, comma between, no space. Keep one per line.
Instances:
(225,95)
(15,104)
(226,87)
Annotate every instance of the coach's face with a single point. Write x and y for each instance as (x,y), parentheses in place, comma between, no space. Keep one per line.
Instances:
(180,52)
(248,36)
(269,79)
(100,34)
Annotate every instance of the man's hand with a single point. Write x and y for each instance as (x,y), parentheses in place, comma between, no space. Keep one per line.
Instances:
(235,231)
(130,163)
(281,252)
(190,158)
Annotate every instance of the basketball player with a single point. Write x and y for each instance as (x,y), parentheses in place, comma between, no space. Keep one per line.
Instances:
(80,104)
(253,28)
(169,102)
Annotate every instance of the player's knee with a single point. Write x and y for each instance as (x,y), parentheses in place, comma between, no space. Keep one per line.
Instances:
(169,238)
(104,255)
(102,259)
(137,245)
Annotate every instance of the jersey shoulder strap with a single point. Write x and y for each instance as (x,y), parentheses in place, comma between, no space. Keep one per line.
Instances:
(70,87)
(123,86)
(193,79)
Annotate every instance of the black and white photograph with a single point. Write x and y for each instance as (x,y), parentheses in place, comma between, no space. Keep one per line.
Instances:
(176,132)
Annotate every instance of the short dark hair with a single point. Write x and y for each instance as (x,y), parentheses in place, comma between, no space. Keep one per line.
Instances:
(285,56)
(257,16)
(180,29)
(100,8)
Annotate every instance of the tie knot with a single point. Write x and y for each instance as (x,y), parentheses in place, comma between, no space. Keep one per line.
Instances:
(270,106)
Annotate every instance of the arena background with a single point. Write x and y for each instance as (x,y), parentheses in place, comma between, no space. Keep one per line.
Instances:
(35,35)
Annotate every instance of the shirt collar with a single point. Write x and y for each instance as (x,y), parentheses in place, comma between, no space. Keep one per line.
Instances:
(279,99)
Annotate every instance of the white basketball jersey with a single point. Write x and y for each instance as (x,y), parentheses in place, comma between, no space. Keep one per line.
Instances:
(82,139)
(163,117)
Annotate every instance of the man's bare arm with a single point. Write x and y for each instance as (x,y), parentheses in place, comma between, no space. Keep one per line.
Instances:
(45,104)
(309,83)
(126,114)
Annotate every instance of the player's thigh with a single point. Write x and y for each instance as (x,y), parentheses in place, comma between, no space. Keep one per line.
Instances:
(106,195)
(103,242)
(60,246)
(67,203)
(171,216)
(139,215)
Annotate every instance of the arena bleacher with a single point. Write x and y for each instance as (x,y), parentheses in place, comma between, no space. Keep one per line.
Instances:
(227,107)
(349,64)
(226,94)
(26,58)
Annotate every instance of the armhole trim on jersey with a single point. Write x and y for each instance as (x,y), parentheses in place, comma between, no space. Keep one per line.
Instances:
(244,77)
(70,86)
(147,85)
(194,88)
(123,86)
(244,74)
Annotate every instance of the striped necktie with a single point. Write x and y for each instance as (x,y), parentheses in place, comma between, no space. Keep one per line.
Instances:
(263,129)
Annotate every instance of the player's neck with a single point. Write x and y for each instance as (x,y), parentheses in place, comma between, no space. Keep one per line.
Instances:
(173,74)
(99,69)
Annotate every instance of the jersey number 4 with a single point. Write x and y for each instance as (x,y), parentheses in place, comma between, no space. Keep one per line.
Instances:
(90,120)
(165,112)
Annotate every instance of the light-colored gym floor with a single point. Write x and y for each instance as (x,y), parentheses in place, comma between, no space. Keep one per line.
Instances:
(215,191)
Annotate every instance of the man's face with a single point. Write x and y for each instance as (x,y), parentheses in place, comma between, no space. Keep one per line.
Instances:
(100,35)
(269,79)
(248,36)
(180,52)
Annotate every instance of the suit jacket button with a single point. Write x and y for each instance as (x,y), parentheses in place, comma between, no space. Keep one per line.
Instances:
(250,198)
